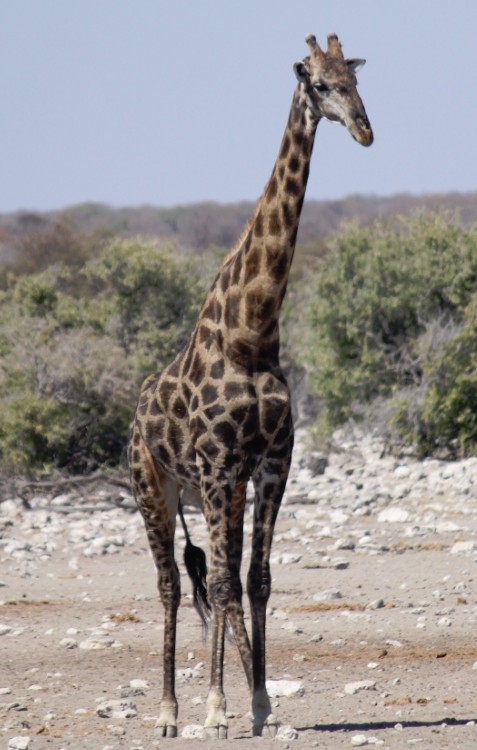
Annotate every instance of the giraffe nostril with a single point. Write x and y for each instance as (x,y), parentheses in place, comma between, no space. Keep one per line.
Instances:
(363,123)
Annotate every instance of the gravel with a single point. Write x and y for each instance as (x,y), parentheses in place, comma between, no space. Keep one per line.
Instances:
(373,566)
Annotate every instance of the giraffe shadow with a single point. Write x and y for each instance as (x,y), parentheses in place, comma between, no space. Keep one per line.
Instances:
(375,726)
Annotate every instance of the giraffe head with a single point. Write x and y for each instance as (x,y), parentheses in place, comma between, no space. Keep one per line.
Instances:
(331,87)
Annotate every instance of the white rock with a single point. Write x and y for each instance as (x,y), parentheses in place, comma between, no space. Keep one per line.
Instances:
(285,688)
(328,595)
(97,644)
(338,642)
(460,547)
(337,516)
(19,743)
(286,732)
(5,630)
(393,515)
(342,544)
(447,526)
(351,688)
(140,684)
(339,564)
(109,625)
(359,740)
(286,558)
(5,691)
(16,546)
(316,638)
(68,643)
(291,627)
(117,710)
(64,499)
(393,642)
(116,731)
(184,674)
(376,604)
(8,508)
(194,732)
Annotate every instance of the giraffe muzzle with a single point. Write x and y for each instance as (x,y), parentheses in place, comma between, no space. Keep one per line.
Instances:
(362,132)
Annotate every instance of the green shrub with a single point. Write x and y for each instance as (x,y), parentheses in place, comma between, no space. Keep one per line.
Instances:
(374,297)
(150,301)
(445,416)
(75,348)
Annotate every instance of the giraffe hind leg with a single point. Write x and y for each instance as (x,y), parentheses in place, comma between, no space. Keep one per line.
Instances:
(157,498)
(224,508)
(217,496)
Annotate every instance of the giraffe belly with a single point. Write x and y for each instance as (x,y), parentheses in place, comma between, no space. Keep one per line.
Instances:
(248,418)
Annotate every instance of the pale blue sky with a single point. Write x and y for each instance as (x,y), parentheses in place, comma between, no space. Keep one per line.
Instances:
(171,101)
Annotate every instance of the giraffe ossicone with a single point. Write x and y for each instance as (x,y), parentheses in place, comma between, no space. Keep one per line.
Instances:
(220,415)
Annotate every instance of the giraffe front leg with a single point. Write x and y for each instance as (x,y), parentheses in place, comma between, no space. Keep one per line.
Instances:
(167,721)
(262,714)
(258,586)
(270,484)
(233,598)
(234,609)
(216,724)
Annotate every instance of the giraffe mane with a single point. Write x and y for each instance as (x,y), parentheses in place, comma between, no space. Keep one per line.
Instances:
(245,232)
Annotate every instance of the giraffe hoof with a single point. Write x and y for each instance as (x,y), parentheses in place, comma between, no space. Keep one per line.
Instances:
(216,733)
(167,730)
(271,724)
(272,729)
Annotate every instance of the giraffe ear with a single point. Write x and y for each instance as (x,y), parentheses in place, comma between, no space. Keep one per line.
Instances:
(356,63)
(301,72)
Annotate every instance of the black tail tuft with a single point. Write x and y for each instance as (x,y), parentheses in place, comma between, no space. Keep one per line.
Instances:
(196,566)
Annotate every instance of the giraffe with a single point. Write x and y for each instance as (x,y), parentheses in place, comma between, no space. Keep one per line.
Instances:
(220,415)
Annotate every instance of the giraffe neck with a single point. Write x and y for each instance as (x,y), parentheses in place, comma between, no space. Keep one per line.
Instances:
(247,295)
(278,211)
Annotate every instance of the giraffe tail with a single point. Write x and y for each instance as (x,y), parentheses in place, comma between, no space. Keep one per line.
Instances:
(196,566)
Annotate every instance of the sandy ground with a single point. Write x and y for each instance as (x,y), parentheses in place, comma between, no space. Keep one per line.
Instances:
(401,614)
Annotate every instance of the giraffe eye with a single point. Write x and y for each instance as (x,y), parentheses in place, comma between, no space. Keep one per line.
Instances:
(322,88)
